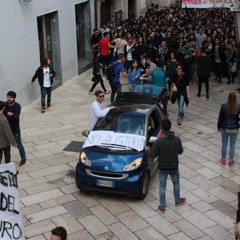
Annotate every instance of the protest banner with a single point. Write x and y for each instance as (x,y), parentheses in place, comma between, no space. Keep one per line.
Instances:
(115,140)
(11,226)
(208,3)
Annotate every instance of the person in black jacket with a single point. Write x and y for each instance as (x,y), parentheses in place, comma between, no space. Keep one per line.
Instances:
(167,148)
(12,112)
(96,74)
(45,75)
(228,124)
(181,89)
(204,68)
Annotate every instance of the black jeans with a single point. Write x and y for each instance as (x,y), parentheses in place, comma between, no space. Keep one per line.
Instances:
(7,154)
(203,80)
(99,79)
(114,87)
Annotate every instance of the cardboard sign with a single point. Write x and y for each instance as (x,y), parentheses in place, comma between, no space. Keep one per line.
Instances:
(115,140)
(11,226)
(208,3)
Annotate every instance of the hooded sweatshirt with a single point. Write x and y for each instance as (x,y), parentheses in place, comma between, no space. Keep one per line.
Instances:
(167,149)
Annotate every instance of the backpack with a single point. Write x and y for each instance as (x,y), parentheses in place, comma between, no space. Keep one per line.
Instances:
(110,71)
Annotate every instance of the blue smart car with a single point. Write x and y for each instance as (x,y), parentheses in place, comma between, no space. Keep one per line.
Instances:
(113,158)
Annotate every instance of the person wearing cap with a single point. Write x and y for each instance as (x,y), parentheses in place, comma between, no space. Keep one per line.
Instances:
(97,110)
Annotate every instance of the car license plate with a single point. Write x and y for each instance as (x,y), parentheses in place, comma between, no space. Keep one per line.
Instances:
(104,183)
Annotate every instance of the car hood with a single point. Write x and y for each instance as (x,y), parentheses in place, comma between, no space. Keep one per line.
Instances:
(113,161)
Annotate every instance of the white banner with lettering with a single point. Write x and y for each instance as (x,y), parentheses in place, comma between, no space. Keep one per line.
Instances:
(208,3)
(115,140)
(11,226)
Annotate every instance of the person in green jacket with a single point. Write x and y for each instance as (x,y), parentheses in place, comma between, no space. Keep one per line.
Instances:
(6,136)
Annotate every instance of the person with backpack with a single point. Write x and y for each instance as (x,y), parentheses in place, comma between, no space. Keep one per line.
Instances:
(116,71)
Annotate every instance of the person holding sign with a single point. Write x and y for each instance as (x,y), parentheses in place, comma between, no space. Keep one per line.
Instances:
(97,109)
(6,136)
(58,233)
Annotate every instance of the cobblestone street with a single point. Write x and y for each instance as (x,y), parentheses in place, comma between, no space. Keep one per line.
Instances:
(49,196)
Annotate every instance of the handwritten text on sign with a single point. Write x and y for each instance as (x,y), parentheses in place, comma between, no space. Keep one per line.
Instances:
(11,227)
(98,138)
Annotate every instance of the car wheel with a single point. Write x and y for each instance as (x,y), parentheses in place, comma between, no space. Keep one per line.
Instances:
(144,185)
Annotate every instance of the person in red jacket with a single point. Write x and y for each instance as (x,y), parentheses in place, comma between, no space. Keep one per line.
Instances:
(105,46)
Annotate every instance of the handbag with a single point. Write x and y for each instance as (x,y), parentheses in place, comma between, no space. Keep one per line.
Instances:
(173,97)
(234,67)
(93,79)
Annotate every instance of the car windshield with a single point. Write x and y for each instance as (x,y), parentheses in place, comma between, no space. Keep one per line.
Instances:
(148,89)
(122,123)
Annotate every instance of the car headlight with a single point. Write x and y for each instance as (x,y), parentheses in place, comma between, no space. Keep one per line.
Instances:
(84,160)
(133,165)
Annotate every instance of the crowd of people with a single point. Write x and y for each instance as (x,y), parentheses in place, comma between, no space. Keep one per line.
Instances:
(199,41)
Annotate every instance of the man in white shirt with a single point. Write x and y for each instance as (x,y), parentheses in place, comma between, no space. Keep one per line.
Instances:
(97,110)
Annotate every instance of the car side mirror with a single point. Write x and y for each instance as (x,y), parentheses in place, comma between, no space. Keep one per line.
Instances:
(85,133)
(152,139)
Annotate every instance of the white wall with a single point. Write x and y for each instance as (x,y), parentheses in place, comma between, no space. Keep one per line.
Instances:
(19,48)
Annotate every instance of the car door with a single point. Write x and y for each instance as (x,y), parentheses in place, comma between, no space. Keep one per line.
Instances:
(153,127)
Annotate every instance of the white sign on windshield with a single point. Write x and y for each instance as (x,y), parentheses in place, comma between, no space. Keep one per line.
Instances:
(98,138)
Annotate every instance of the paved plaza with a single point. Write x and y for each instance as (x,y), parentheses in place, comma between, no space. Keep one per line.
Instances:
(50,198)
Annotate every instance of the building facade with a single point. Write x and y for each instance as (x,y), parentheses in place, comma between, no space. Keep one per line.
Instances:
(118,10)
(32,30)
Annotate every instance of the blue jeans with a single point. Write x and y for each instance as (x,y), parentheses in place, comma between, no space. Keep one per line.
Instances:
(46,91)
(180,102)
(233,139)
(21,149)
(163,174)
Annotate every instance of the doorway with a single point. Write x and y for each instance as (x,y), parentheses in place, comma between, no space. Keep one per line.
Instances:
(83,35)
(49,43)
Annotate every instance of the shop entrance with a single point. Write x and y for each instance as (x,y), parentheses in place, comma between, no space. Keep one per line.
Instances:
(49,43)
(83,34)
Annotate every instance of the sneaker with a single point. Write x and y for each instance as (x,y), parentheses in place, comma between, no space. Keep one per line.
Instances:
(230,163)
(223,161)
(162,210)
(179,121)
(91,93)
(107,91)
(181,202)
(23,161)
(49,105)
(43,110)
